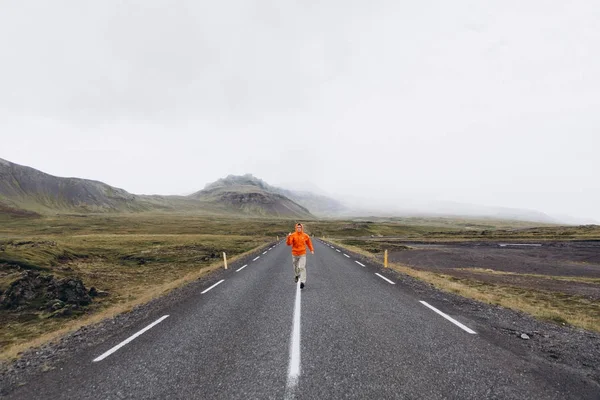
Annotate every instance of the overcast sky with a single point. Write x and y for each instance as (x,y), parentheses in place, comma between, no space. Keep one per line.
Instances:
(486,102)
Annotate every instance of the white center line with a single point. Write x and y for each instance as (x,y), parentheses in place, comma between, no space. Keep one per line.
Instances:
(241,268)
(346,255)
(384,278)
(264,253)
(449,318)
(213,286)
(256,258)
(294,368)
(337,250)
(359,263)
(124,342)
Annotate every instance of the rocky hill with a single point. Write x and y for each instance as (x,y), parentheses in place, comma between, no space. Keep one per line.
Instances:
(25,192)
(25,188)
(250,195)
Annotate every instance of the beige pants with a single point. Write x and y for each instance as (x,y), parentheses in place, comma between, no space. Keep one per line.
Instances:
(300,267)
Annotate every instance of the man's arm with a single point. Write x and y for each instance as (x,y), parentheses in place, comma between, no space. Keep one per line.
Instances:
(309,243)
(289,239)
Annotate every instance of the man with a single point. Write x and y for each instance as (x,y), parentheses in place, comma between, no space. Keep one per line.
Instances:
(299,240)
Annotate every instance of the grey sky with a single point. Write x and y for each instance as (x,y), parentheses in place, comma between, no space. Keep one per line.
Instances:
(493,103)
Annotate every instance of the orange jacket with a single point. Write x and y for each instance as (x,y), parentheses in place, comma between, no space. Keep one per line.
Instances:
(299,241)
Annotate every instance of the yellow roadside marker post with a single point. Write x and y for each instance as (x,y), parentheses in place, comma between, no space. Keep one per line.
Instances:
(225,259)
(385,259)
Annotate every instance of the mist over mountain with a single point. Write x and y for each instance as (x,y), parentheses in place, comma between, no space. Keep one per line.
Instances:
(447,208)
(26,191)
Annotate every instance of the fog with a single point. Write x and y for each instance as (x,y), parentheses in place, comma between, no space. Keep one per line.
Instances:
(380,103)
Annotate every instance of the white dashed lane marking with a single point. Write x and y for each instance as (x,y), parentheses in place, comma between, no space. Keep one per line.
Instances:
(449,318)
(130,338)
(214,286)
(384,278)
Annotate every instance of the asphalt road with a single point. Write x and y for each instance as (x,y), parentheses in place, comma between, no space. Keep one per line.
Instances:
(349,334)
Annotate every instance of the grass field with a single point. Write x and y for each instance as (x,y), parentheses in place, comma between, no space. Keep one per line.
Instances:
(133,258)
(136,257)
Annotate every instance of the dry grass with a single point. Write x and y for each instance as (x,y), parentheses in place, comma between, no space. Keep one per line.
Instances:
(557,307)
(134,258)
(48,333)
(595,281)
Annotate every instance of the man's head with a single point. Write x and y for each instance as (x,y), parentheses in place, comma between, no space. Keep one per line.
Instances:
(299,227)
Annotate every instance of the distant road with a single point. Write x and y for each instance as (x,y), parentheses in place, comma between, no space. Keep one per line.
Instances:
(354,332)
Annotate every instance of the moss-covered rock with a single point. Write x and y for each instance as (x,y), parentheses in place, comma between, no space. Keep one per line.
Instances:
(33,290)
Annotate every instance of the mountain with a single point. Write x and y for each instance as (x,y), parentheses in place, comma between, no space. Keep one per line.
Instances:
(320,205)
(25,191)
(250,195)
(316,204)
(15,212)
(25,188)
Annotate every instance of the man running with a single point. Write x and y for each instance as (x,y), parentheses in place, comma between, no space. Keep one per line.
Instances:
(299,240)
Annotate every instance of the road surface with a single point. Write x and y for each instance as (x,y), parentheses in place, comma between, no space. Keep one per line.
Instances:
(354,332)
